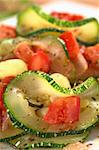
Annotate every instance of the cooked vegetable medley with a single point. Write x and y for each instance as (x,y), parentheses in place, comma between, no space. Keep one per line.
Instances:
(49,79)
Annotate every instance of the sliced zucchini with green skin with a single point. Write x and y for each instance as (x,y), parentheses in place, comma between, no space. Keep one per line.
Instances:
(94,102)
(38,88)
(10,133)
(91,86)
(30,141)
(87,29)
(45,31)
(87,43)
(55,32)
(61,80)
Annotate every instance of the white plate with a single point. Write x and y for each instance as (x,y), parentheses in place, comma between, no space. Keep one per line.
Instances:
(66,6)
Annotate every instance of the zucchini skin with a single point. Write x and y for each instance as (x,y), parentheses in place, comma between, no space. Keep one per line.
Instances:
(49,31)
(42,31)
(74,91)
(87,43)
(40,145)
(16,123)
(58,32)
(12,137)
(28,141)
(61,24)
(64,47)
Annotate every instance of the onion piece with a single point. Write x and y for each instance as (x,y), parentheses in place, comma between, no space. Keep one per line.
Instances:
(81,64)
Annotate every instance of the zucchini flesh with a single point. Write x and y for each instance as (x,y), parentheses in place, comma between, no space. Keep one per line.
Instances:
(87,29)
(10,133)
(30,141)
(88,88)
(61,80)
(94,102)
(38,88)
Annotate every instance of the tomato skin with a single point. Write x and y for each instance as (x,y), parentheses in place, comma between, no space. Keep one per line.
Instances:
(6,80)
(24,52)
(71,44)
(66,16)
(63,110)
(1,93)
(40,61)
(7,32)
(3,84)
(92,55)
(37,48)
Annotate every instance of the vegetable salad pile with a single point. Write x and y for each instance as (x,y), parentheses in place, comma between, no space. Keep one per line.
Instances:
(49,79)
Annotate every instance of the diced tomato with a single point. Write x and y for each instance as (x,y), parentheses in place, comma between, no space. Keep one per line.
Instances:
(67,16)
(37,48)
(7,32)
(92,55)
(1,93)
(35,61)
(24,52)
(4,82)
(71,44)
(40,61)
(63,110)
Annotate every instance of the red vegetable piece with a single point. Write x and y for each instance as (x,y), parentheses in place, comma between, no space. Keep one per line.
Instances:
(67,16)
(24,52)
(4,82)
(40,61)
(1,93)
(7,32)
(71,44)
(63,110)
(92,55)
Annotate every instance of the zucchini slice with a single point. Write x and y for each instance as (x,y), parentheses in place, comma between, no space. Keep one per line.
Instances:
(45,32)
(29,141)
(61,80)
(88,88)
(87,30)
(94,102)
(10,133)
(38,88)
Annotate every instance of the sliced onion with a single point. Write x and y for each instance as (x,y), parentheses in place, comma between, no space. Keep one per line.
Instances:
(91,71)
(81,64)
(5,122)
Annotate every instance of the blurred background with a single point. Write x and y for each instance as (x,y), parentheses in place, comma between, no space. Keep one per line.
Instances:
(11,7)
